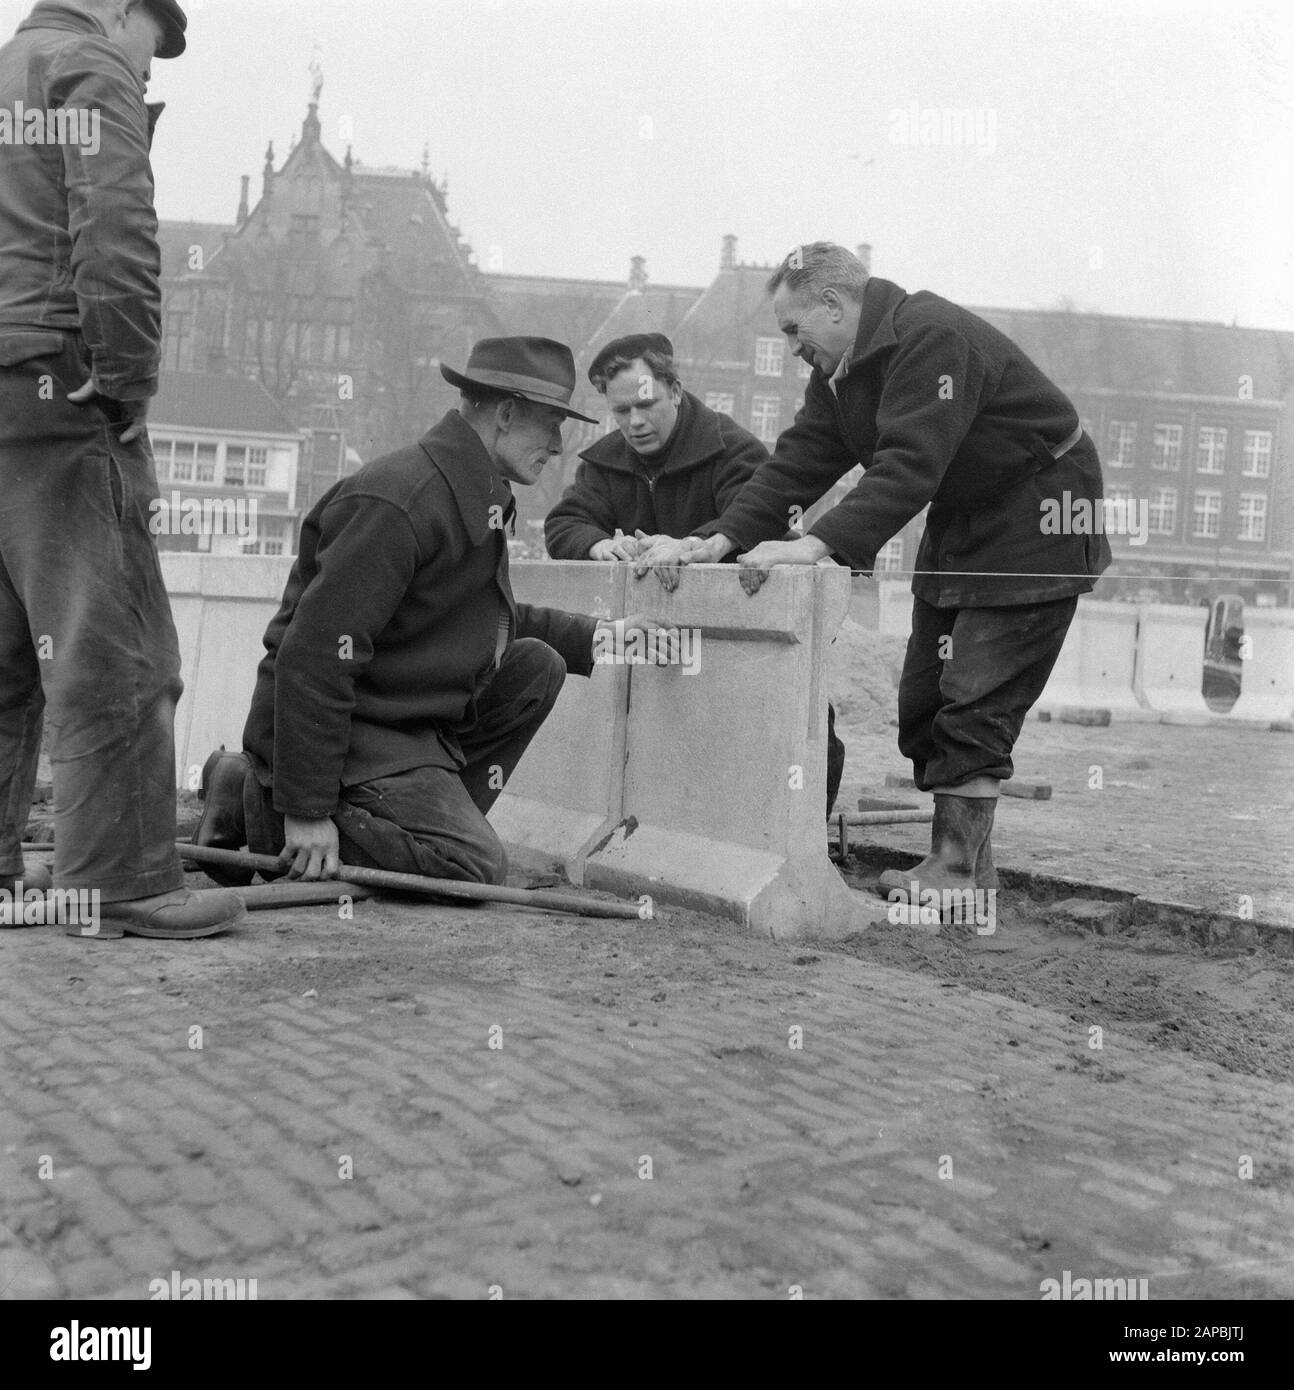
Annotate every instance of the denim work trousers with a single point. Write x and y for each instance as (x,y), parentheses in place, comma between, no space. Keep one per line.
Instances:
(962,701)
(431,820)
(86,635)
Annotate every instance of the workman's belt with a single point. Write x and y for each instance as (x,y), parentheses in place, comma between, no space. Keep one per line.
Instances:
(1065,445)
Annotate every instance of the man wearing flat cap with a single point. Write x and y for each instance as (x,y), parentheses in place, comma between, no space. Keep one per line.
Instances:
(402,681)
(672,465)
(85,622)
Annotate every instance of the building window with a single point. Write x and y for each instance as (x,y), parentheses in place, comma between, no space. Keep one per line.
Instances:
(723,401)
(162,449)
(176,342)
(271,538)
(204,469)
(765,412)
(1257,454)
(1211,449)
(257,461)
(1122,450)
(768,356)
(1118,504)
(182,462)
(303,224)
(889,558)
(1253,517)
(235,465)
(1208,514)
(1167,448)
(1163,510)
(806,369)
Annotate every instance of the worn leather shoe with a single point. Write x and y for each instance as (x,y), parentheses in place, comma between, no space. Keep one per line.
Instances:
(28,912)
(223,824)
(174,916)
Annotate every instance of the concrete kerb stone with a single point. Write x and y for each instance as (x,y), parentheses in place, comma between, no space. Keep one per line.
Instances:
(724,786)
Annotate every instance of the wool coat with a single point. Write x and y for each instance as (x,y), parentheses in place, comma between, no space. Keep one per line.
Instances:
(707,460)
(391,622)
(941,410)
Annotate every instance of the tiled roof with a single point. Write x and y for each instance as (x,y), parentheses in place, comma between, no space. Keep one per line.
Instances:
(724,322)
(177,239)
(204,400)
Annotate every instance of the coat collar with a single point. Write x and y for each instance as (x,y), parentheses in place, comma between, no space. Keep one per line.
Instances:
(456,450)
(876,323)
(50,14)
(696,439)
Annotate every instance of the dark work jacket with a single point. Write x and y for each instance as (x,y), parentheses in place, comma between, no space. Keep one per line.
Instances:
(78,233)
(707,460)
(388,626)
(939,408)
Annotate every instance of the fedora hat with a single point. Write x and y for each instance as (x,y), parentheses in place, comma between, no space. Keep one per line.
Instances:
(173,21)
(536,369)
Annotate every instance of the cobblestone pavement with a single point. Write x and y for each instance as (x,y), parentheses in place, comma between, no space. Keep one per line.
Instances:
(1199,815)
(429,1101)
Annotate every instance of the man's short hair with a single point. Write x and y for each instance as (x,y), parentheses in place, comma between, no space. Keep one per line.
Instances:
(655,349)
(486,397)
(818,266)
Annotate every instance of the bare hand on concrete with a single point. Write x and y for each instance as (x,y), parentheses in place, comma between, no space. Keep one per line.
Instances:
(617,547)
(310,847)
(135,411)
(757,564)
(666,555)
(660,645)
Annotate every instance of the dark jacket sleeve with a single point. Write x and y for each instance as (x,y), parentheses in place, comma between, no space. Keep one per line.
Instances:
(934,386)
(329,643)
(742,455)
(569,634)
(809,456)
(116,264)
(584,516)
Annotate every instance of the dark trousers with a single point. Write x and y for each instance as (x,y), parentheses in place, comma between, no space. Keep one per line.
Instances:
(86,636)
(835,759)
(962,702)
(431,820)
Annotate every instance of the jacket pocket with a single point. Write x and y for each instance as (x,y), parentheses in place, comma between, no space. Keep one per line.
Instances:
(25,347)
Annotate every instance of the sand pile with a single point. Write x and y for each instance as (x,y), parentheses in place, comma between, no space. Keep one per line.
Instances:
(863,677)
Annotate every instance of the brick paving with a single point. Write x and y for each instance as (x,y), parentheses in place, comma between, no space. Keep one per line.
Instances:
(642,1127)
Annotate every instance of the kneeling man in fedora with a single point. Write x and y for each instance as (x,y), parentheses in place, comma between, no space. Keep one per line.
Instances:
(402,682)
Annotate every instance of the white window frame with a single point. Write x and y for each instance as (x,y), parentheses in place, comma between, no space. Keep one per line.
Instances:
(764,409)
(770,356)
(1257,454)
(1162,499)
(1125,455)
(1211,450)
(1167,448)
(1253,517)
(725,402)
(1202,513)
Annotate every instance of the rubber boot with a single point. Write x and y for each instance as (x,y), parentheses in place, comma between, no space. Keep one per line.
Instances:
(223,825)
(960,856)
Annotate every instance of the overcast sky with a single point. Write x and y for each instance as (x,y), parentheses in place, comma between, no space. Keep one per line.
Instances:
(1126,156)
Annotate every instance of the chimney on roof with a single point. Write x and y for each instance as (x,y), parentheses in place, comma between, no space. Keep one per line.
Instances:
(267,174)
(242,200)
(864,253)
(728,255)
(637,273)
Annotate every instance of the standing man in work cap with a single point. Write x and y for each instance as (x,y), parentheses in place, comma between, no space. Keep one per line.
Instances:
(86,636)
(671,465)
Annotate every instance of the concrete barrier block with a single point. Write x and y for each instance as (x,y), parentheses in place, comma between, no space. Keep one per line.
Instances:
(724,795)
(565,794)
(1267,674)
(1097,664)
(1169,673)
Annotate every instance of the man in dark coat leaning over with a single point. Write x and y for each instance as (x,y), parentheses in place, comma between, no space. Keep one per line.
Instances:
(940,409)
(671,464)
(402,682)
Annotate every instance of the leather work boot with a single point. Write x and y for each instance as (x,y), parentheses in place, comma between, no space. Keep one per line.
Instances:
(34,877)
(223,824)
(175,916)
(960,854)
